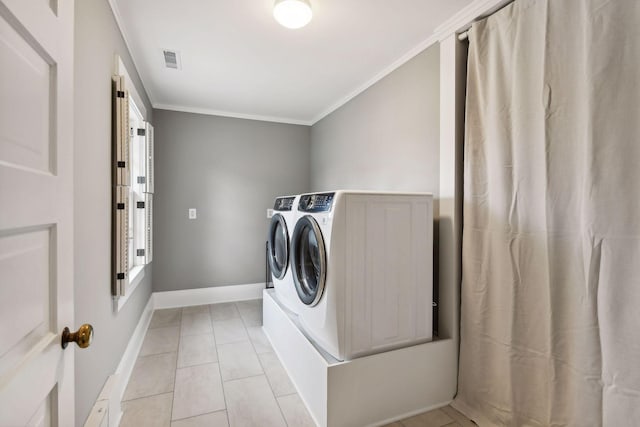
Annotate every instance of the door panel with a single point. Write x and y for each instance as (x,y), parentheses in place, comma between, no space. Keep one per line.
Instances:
(36,212)
(27,146)
(25,260)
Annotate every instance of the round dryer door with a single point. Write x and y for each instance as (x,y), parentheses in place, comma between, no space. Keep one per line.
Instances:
(308,261)
(278,244)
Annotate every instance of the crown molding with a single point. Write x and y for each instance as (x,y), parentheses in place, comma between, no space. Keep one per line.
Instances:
(210,112)
(462,20)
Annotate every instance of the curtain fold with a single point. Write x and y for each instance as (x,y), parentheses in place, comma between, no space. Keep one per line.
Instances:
(550,316)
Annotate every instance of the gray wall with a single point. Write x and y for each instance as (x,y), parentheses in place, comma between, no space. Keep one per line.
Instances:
(230,170)
(387,138)
(97,39)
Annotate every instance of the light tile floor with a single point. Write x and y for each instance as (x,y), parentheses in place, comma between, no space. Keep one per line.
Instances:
(212,365)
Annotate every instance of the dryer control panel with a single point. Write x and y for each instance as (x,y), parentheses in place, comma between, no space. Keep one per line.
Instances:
(283,204)
(320,202)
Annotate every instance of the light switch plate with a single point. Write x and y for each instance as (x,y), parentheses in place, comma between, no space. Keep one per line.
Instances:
(192,213)
(269,213)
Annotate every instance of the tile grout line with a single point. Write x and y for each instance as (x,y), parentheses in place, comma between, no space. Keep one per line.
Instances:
(201,415)
(245,329)
(146,335)
(156,354)
(251,341)
(212,333)
(196,365)
(289,394)
(232,318)
(279,407)
(267,376)
(146,397)
(175,374)
(254,351)
(215,348)
(201,363)
(244,378)
(162,327)
(150,355)
(265,371)
(269,379)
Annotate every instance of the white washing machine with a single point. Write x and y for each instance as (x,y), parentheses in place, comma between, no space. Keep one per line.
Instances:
(362,266)
(279,249)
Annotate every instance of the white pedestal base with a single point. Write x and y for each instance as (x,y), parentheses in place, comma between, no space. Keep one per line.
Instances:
(368,391)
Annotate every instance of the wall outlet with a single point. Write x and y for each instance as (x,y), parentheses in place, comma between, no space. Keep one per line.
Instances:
(192,213)
(269,213)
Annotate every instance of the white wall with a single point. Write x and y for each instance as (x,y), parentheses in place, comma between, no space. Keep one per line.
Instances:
(97,40)
(387,138)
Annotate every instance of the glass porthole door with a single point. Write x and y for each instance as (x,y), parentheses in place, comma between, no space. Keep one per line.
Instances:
(308,262)
(278,244)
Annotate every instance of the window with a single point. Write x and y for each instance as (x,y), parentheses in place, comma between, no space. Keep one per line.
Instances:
(137,177)
(133,189)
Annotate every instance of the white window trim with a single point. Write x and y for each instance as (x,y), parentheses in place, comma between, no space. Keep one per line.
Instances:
(136,274)
(135,277)
(121,70)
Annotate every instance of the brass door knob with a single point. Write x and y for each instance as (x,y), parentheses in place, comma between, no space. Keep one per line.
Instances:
(82,336)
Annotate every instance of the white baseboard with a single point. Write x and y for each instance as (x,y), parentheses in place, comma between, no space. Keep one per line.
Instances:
(213,295)
(113,390)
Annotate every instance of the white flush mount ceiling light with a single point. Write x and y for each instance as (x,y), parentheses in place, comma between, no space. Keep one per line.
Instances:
(292,13)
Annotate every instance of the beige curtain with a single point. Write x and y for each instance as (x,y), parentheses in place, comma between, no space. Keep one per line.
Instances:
(550,328)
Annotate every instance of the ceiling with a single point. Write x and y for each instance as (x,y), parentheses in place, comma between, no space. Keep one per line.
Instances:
(238,61)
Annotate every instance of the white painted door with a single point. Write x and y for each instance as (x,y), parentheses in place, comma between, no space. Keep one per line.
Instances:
(36,212)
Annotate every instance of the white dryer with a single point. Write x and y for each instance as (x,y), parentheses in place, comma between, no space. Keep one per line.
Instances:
(279,249)
(362,266)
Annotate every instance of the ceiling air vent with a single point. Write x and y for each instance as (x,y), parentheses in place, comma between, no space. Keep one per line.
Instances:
(171,59)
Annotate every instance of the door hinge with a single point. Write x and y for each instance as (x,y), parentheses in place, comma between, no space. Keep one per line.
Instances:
(120,94)
(140,205)
(120,276)
(142,180)
(140,252)
(122,164)
(120,206)
(141,132)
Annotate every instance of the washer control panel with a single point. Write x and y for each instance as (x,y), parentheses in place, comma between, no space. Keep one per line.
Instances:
(319,202)
(283,204)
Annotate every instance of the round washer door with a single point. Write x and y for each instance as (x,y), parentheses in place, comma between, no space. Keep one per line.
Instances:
(278,243)
(308,260)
